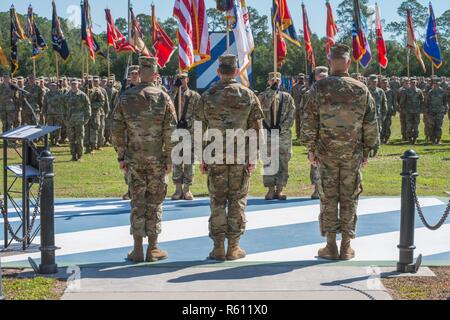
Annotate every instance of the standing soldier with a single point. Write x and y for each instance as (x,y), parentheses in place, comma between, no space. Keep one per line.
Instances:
(228,105)
(413,102)
(144,121)
(53,112)
(77,112)
(401,100)
(186,108)
(9,114)
(279,112)
(98,100)
(391,107)
(106,108)
(28,111)
(113,97)
(298,91)
(340,130)
(380,101)
(436,108)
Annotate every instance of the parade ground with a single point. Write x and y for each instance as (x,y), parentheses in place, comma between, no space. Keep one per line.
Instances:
(281,241)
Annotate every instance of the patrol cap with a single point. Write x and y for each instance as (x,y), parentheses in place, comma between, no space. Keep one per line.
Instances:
(20,78)
(385,80)
(74,81)
(373,77)
(273,76)
(228,60)
(340,51)
(148,63)
(321,70)
(413,79)
(301,76)
(7,75)
(53,84)
(183,75)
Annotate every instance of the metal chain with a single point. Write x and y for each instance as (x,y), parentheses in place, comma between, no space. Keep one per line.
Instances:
(419,208)
(33,217)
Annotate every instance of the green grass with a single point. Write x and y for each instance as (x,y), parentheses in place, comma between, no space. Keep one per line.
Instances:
(99,176)
(32,289)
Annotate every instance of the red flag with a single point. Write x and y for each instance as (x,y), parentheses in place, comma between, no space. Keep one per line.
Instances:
(381,45)
(162,44)
(114,37)
(307,38)
(332,29)
(281,50)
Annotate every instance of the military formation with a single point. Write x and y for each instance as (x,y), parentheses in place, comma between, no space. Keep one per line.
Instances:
(340,118)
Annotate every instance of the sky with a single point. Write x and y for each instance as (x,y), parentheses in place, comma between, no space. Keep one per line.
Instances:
(316,9)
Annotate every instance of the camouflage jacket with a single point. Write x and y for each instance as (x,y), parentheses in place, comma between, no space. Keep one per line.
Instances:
(36,97)
(284,116)
(228,105)
(98,101)
(8,97)
(186,113)
(298,92)
(77,108)
(380,102)
(412,100)
(391,102)
(113,98)
(53,104)
(340,119)
(437,101)
(143,123)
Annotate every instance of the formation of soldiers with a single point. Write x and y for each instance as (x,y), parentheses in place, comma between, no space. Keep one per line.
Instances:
(340,118)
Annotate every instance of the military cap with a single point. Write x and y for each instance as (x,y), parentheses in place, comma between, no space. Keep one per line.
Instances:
(183,75)
(104,78)
(150,63)
(340,51)
(413,79)
(6,74)
(276,76)
(96,78)
(321,70)
(228,60)
(20,78)
(373,77)
(301,76)
(385,80)
(53,84)
(74,81)
(133,68)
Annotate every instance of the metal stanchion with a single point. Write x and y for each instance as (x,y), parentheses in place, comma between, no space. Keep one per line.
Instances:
(48,264)
(406,261)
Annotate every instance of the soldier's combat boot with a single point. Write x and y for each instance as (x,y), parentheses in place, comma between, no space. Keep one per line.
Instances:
(178,195)
(137,255)
(330,252)
(187,194)
(270,194)
(126,196)
(347,253)
(74,158)
(218,252)
(315,195)
(234,252)
(280,195)
(153,253)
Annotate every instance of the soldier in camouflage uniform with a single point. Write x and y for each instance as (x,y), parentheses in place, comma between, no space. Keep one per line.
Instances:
(228,105)
(413,100)
(401,100)
(35,99)
(340,130)
(436,108)
(106,109)
(186,108)
(298,91)
(144,121)
(8,112)
(380,101)
(77,113)
(391,107)
(113,98)
(279,112)
(54,112)
(98,101)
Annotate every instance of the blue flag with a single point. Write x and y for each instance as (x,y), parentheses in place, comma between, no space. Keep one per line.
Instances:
(431,46)
(367,57)
(58,40)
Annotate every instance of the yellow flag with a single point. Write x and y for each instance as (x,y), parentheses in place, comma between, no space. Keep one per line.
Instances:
(3,59)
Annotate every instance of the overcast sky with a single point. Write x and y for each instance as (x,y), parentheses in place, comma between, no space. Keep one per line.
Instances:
(316,9)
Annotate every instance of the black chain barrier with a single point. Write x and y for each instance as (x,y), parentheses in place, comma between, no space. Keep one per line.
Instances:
(419,207)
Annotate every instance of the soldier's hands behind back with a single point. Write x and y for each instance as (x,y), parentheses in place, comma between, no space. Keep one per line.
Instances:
(204,168)
(123,166)
(313,159)
(168,169)
(251,168)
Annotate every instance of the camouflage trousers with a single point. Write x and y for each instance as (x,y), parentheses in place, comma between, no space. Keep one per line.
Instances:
(298,122)
(386,130)
(403,124)
(435,123)
(92,128)
(339,187)
(412,125)
(281,178)
(8,120)
(426,123)
(108,129)
(147,190)
(55,120)
(228,187)
(101,131)
(76,139)
(183,174)
(314,176)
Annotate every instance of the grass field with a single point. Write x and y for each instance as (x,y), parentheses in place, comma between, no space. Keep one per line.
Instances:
(98,175)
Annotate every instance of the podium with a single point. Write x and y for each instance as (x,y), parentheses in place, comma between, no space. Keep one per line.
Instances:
(25,179)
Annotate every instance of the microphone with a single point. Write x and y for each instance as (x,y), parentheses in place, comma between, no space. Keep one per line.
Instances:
(36,119)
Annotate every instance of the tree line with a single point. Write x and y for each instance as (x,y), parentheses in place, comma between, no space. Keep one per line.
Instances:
(261,26)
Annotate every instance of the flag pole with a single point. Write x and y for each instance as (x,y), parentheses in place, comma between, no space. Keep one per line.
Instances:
(275,49)
(306,62)
(109,61)
(57,65)
(34,68)
(228,35)
(408,60)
